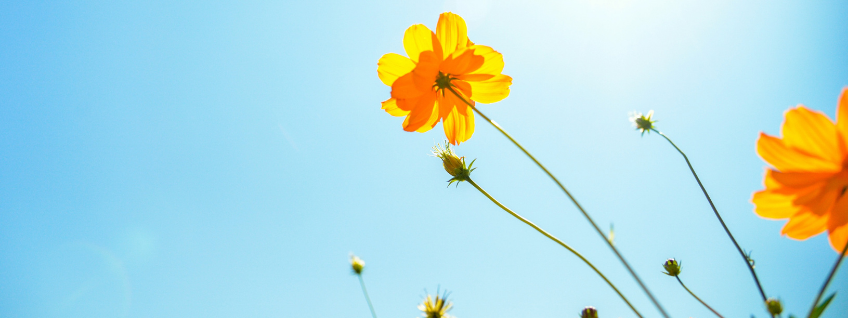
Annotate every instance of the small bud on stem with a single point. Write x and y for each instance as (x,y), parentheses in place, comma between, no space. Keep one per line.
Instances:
(774,306)
(589,312)
(454,165)
(672,267)
(357,264)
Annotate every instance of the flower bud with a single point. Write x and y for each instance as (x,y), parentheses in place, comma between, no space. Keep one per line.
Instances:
(357,264)
(454,165)
(643,122)
(672,267)
(589,312)
(774,306)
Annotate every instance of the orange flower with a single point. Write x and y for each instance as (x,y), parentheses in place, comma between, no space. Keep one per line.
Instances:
(810,177)
(440,65)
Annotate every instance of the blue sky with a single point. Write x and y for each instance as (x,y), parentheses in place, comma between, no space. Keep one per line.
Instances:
(195,159)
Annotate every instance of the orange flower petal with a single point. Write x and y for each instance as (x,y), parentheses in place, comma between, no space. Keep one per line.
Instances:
(405,88)
(391,107)
(804,225)
(800,179)
(811,132)
(452,32)
(802,197)
(458,127)
(391,66)
(491,90)
(433,120)
(425,73)
(406,104)
(821,203)
(447,102)
(461,62)
(421,114)
(418,38)
(837,225)
(475,77)
(842,119)
(785,159)
(464,90)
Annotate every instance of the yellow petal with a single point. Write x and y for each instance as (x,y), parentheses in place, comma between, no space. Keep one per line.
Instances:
(391,66)
(769,181)
(804,225)
(837,224)
(491,90)
(418,38)
(452,32)
(391,107)
(773,204)
(786,159)
(432,121)
(458,127)
(493,62)
(811,132)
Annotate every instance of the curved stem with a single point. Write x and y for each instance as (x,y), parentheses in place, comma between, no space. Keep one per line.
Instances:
(553,238)
(365,291)
(573,200)
(696,297)
(827,281)
(720,220)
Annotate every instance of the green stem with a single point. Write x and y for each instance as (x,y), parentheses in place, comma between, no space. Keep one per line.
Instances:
(365,291)
(720,220)
(696,297)
(573,200)
(553,238)
(827,281)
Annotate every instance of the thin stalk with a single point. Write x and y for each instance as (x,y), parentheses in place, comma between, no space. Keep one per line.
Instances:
(553,238)
(744,257)
(573,200)
(365,291)
(696,297)
(829,277)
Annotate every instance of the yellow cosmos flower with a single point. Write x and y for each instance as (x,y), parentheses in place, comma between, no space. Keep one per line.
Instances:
(809,178)
(441,65)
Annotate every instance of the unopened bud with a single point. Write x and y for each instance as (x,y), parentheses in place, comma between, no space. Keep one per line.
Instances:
(454,165)
(589,312)
(672,267)
(774,306)
(357,264)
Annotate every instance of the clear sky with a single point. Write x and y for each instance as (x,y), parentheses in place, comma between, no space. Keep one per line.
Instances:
(211,159)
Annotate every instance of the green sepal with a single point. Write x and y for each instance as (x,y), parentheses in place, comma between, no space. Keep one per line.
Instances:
(821,307)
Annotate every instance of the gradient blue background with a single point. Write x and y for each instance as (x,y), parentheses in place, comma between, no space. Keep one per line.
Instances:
(210,159)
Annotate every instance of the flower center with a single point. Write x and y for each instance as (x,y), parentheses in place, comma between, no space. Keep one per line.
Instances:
(443,81)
